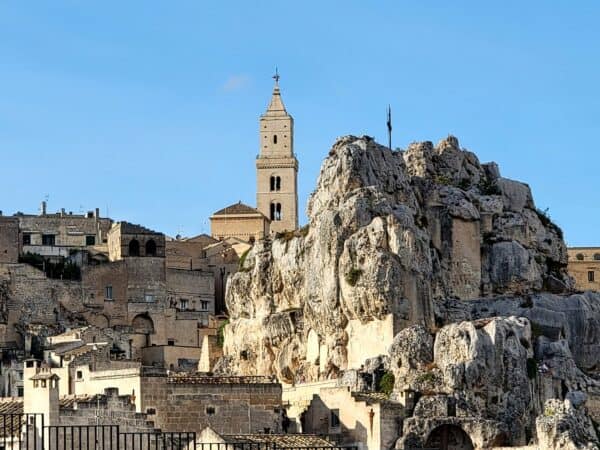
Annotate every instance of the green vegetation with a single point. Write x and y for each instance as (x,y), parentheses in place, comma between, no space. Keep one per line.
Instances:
(353,276)
(441,179)
(544,217)
(221,333)
(487,187)
(427,377)
(58,270)
(531,368)
(243,260)
(386,384)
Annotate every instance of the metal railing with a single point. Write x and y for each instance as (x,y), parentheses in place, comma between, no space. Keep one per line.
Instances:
(21,431)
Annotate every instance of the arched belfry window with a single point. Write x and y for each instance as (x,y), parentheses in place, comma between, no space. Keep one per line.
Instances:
(276,211)
(274,139)
(151,248)
(134,248)
(275,183)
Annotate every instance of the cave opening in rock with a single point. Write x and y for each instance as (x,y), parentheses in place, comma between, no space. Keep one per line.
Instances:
(449,437)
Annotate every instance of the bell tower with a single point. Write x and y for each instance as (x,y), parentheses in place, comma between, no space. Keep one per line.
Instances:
(277,166)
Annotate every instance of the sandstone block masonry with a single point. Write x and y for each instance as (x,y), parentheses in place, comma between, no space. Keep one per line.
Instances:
(229,405)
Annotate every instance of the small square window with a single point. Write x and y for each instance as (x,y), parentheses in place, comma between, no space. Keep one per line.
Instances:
(79,375)
(26,239)
(183,304)
(210,410)
(149,298)
(90,240)
(204,305)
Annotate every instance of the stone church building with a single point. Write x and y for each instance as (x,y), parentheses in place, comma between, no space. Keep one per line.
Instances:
(276,182)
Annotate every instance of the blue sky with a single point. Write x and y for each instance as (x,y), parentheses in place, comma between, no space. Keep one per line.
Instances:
(150,109)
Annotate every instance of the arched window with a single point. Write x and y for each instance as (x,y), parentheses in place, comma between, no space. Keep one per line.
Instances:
(134,248)
(151,248)
(275,211)
(275,183)
(579,256)
(596,256)
(274,139)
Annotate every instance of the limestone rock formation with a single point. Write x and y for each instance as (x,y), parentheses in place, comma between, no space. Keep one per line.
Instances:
(390,235)
(430,265)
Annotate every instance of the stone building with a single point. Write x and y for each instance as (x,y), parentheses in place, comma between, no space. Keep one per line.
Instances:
(584,267)
(276,182)
(129,240)
(56,234)
(277,166)
(239,221)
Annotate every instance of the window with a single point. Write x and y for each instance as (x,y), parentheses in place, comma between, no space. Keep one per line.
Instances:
(334,418)
(183,303)
(579,256)
(90,240)
(108,293)
(48,239)
(204,305)
(590,275)
(134,248)
(79,375)
(210,410)
(149,298)
(20,391)
(596,256)
(274,139)
(171,342)
(275,183)
(150,248)
(26,239)
(276,211)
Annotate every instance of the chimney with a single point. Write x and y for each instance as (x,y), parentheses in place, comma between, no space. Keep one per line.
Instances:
(43,208)
(97,213)
(62,212)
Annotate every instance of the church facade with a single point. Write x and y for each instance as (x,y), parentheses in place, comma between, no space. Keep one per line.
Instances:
(276,182)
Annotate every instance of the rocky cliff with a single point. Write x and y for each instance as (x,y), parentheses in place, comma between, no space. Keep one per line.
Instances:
(390,235)
(432,266)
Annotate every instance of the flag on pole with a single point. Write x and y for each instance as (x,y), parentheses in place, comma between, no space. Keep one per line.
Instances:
(389,126)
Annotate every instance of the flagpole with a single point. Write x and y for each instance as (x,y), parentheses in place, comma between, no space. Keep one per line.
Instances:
(389,126)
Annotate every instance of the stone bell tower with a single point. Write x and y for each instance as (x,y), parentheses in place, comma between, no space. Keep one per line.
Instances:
(277,166)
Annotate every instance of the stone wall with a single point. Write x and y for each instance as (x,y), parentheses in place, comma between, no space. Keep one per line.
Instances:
(191,290)
(246,227)
(228,408)
(9,240)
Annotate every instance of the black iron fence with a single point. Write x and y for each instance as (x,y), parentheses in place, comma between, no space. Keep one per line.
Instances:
(21,431)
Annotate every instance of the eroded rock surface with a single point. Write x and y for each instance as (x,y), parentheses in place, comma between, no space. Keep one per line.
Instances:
(390,235)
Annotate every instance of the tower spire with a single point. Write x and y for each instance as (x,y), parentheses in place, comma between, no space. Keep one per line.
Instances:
(276,106)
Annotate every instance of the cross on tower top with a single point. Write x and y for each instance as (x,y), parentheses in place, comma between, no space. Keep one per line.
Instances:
(276,77)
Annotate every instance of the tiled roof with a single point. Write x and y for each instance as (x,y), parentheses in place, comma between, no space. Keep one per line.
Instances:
(279,440)
(237,208)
